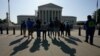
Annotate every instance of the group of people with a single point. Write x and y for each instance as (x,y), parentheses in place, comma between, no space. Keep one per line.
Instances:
(56,27)
(53,28)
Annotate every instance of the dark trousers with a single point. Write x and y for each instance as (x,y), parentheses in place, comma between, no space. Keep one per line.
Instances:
(91,35)
(62,32)
(68,32)
(20,31)
(44,34)
(30,31)
(24,31)
(38,33)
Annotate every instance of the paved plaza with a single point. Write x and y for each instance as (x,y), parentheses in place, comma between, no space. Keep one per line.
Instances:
(17,45)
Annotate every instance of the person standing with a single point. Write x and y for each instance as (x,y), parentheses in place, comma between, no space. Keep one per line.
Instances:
(38,27)
(23,26)
(67,29)
(44,28)
(90,29)
(51,28)
(62,26)
(30,25)
(57,26)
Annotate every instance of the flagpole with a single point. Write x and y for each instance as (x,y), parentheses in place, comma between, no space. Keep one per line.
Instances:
(97,11)
(8,12)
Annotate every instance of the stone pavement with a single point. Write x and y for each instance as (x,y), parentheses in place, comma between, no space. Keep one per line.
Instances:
(17,45)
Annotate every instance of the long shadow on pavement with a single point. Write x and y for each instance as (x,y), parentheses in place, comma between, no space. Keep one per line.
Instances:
(55,42)
(18,35)
(96,46)
(70,41)
(74,38)
(20,47)
(16,41)
(45,44)
(35,46)
(65,48)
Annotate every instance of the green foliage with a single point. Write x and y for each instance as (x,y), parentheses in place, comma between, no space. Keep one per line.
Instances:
(3,21)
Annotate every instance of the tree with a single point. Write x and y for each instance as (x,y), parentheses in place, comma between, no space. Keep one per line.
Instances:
(98,16)
(0,21)
(3,21)
(98,19)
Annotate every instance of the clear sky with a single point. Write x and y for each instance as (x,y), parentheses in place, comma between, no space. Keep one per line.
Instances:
(78,8)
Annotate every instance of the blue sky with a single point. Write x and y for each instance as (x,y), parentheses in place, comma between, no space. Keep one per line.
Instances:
(78,8)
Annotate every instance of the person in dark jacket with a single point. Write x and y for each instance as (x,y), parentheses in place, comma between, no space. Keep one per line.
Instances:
(38,27)
(90,29)
(30,25)
(62,27)
(51,27)
(67,29)
(57,27)
(23,27)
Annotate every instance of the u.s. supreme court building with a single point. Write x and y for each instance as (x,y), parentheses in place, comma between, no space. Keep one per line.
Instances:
(48,12)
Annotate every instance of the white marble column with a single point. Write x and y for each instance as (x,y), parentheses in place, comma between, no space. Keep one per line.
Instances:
(42,15)
(38,14)
(45,16)
(49,15)
(52,15)
(58,15)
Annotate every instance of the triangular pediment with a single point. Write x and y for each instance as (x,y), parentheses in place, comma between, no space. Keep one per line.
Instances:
(51,5)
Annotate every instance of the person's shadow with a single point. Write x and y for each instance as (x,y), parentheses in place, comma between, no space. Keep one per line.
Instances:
(55,42)
(96,45)
(36,45)
(72,40)
(16,41)
(75,39)
(65,48)
(45,44)
(20,47)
